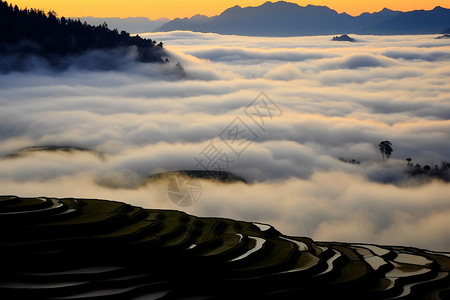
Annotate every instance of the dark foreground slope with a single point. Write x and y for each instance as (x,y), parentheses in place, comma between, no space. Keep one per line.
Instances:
(32,32)
(94,249)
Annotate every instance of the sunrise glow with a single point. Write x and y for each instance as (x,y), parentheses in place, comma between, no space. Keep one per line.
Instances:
(179,9)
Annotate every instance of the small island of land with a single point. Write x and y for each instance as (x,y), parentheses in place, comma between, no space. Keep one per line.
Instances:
(220,176)
(343,38)
(444,36)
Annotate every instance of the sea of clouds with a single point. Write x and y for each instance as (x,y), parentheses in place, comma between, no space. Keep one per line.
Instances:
(328,100)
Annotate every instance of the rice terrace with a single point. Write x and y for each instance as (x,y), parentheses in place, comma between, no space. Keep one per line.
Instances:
(228,149)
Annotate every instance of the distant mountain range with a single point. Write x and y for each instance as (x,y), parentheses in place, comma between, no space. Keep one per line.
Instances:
(289,19)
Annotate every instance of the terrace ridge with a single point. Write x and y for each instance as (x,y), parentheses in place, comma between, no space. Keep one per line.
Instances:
(100,249)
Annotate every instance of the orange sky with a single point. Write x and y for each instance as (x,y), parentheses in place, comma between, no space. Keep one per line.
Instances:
(154,9)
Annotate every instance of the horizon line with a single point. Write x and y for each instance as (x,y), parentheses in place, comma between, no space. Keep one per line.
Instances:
(210,15)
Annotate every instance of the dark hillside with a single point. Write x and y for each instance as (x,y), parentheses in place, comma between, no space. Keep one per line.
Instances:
(34,32)
(96,249)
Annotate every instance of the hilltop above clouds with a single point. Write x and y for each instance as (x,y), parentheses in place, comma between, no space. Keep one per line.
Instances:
(30,38)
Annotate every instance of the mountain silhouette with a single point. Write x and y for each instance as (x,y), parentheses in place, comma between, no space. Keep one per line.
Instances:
(415,22)
(289,19)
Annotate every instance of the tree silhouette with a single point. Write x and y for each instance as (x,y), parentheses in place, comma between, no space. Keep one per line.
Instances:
(385,149)
(53,37)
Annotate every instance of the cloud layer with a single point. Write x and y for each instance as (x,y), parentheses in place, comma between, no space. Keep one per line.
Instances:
(329,100)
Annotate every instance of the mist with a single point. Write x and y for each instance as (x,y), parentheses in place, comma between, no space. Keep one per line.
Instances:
(329,100)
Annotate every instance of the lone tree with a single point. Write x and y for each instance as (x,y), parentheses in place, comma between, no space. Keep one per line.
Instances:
(385,149)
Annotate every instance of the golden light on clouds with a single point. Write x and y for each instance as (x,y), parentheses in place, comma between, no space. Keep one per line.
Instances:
(154,9)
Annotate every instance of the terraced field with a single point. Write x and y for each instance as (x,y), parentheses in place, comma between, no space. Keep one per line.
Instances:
(97,249)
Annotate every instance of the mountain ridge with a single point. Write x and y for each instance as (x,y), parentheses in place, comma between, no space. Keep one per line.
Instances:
(290,19)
